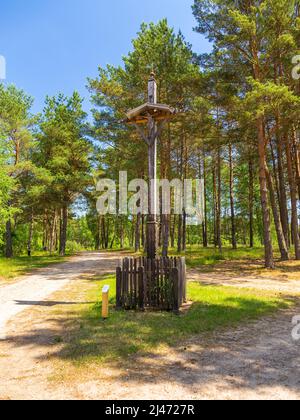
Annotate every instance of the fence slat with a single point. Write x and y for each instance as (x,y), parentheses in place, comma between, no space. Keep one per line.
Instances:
(184,280)
(131,282)
(141,280)
(119,288)
(175,282)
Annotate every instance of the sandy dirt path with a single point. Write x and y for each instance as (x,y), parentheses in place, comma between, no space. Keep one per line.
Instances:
(258,360)
(227,275)
(23,294)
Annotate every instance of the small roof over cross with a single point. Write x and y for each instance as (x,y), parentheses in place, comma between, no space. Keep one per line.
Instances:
(158,112)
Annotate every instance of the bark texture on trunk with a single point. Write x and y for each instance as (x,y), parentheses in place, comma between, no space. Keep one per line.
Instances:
(280,236)
(251,202)
(165,235)
(138,233)
(63,231)
(219,192)
(294,202)
(179,241)
(232,209)
(269,257)
(8,240)
(30,236)
(282,194)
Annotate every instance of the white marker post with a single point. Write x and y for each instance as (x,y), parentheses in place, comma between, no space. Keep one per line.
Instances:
(105,301)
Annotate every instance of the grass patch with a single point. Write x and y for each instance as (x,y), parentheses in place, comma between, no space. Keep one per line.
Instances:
(128,333)
(18,266)
(196,256)
(249,261)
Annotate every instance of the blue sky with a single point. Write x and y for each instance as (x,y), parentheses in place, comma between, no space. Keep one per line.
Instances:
(52,46)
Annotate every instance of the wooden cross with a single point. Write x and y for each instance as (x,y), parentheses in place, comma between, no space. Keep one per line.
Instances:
(154,115)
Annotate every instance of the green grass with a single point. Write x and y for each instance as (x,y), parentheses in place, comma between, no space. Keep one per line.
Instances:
(198,256)
(127,333)
(18,266)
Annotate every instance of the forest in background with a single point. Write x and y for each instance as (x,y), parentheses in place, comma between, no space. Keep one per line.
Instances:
(237,128)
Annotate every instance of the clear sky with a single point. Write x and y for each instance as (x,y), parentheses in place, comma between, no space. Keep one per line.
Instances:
(52,46)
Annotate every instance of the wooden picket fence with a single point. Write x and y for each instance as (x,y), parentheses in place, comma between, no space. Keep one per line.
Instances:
(155,284)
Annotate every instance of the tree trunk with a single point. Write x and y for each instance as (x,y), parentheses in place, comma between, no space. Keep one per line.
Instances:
(284,216)
(121,232)
(173,226)
(113,241)
(138,233)
(45,244)
(293,189)
(63,231)
(251,202)
(143,231)
(30,235)
(262,144)
(53,232)
(231,187)
(205,222)
(106,233)
(165,234)
(269,257)
(8,240)
(280,236)
(184,231)
(219,238)
(202,175)
(179,242)
(297,160)
(215,205)
(98,234)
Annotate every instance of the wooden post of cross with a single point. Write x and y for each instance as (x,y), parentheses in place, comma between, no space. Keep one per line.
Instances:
(154,116)
(151,233)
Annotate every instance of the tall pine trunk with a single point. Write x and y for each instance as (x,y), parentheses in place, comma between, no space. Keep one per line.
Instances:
(98,235)
(262,145)
(165,234)
(269,256)
(215,205)
(8,240)
(30,235)
(231,188)
(143,231)
(284,216)
(53,232)
(63,231)
(297,160)
(294,203)
(179,241)
(280,236)
(184,230)
(219,195)
(138,233)
(251,201)
(172,230)
(202,174)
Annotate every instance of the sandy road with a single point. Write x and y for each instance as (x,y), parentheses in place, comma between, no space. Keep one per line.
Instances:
(257,360)
(282,285)
(22,294)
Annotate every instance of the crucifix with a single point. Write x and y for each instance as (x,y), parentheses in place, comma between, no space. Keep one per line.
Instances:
(153,116)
